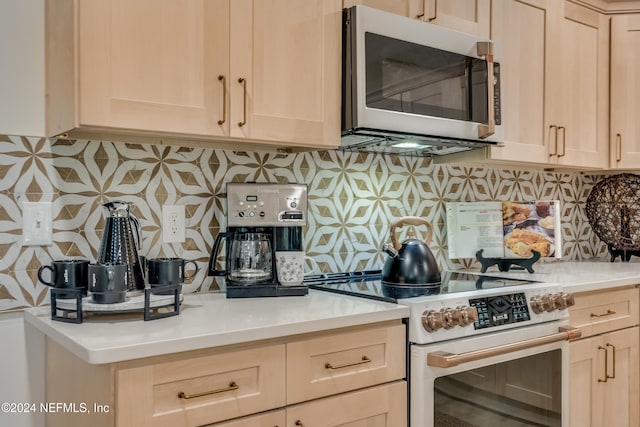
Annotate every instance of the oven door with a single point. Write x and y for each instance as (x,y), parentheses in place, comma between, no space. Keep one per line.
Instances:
(511,378)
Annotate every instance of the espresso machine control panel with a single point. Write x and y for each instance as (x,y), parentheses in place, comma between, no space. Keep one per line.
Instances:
(266,205)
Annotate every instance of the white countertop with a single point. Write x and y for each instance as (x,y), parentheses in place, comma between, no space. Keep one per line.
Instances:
(209,320)
(580,276)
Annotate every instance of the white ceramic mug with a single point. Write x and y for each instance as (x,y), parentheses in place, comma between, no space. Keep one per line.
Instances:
(290,267)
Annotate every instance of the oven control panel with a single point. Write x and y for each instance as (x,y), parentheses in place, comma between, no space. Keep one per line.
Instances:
(501,309)
(445,317)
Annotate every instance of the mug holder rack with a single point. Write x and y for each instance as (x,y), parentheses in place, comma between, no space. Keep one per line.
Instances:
(505,264)
(151,310)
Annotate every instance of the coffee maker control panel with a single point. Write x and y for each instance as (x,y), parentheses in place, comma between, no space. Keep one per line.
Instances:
(266,205)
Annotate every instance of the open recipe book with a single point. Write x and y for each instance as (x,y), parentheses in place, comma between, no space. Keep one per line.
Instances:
(504,229)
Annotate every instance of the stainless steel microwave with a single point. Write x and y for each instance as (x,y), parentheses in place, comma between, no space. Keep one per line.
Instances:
(414,88)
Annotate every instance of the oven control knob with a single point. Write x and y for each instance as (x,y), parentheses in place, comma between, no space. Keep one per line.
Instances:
(563,301)
(540,303)
(468,315)
(432,320)
(452,318)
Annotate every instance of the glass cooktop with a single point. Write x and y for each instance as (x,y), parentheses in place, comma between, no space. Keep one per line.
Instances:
(368,284)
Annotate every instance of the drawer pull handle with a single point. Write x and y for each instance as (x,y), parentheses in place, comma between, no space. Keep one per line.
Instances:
(608,313)
(364,360)
(299,423)
(232,386)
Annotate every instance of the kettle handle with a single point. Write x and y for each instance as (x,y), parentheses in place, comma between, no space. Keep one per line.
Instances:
(136,225)
(409,220)
(211,271)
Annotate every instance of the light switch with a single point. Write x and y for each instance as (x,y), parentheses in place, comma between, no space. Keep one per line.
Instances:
(37,223)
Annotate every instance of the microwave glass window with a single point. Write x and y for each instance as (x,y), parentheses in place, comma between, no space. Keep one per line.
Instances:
(411,78)
(520,392)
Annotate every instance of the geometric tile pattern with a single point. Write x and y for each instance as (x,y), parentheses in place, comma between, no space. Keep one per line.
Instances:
(352,199)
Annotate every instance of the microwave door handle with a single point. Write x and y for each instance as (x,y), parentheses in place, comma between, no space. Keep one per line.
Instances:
(486,130)
(442,359)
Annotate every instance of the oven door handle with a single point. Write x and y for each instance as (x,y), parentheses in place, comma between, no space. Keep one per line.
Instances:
(442,359)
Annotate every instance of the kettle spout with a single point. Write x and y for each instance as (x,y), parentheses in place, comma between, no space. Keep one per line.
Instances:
(388,248)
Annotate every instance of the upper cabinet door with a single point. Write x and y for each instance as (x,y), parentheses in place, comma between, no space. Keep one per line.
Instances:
(467,16)
(625,91)
(37,74)
(408,8)
(256,70)
(285,71)
(554,84)
(580,96)
(153,66)
(524,80)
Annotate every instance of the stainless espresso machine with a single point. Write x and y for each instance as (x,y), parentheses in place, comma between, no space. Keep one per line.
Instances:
(262,219)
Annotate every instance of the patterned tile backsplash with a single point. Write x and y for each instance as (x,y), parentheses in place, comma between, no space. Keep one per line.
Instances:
(352,199)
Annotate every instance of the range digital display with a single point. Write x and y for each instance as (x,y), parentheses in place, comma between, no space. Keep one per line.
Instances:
(500,310)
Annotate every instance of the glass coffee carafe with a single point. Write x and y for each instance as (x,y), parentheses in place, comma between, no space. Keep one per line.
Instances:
(250,258)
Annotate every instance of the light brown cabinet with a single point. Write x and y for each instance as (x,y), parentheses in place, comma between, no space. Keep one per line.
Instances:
(555,84)
(467,16)
(37,84)
(604,365)
(229,70)
(625,92)
(351,375)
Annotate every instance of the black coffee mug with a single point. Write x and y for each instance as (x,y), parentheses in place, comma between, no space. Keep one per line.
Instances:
(169,271)
(108,283)
(66,273)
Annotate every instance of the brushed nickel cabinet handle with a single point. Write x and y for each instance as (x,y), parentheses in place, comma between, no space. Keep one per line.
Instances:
(232,386)
(618,147)
(364,360)
(223,80)
(613,361)
(564,140)
(554,128)
(487,129)
(608,313)
(606,362)
(243,82)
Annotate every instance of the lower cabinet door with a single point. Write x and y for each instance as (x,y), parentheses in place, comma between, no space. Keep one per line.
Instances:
(604,380)
(381,406)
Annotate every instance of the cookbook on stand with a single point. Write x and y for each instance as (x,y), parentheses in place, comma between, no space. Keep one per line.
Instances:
(504,229)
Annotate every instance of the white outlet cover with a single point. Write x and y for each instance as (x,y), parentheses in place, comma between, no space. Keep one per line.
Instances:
(173,224)
(37,223)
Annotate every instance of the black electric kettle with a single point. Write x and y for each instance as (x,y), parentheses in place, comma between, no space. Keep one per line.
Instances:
(411,262)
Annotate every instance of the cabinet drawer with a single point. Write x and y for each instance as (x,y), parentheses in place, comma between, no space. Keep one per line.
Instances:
(202,390)
(382,406)
(340,362)
(602,311)
(268,419)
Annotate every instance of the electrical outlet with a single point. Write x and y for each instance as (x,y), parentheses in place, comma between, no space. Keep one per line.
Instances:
(173,224)
(37,224)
